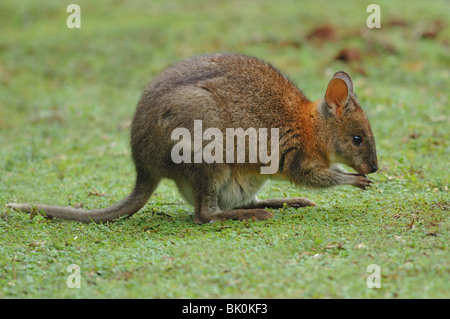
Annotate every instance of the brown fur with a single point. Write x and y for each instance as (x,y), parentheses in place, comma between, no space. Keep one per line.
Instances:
(237,91)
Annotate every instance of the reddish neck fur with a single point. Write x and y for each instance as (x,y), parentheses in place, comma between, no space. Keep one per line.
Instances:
(314,132)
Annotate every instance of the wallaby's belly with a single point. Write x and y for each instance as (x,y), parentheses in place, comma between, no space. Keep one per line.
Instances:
(235,190)
(239,190)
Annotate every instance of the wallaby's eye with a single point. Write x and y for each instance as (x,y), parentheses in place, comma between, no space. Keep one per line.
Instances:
(357,140)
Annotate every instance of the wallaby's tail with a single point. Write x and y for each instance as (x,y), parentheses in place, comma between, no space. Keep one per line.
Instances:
(142,191)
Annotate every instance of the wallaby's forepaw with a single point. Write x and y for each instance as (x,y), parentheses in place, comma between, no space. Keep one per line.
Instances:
(361,181)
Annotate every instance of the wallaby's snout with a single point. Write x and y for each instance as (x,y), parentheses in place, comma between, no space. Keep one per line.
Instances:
(374,168)
(371,163)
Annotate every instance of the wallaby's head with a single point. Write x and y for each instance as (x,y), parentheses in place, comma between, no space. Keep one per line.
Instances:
(351,137)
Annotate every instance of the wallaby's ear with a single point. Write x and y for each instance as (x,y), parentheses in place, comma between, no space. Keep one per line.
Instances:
(347,79)
(338,91)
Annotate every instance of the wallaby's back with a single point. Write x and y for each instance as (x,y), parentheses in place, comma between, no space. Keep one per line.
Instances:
(221,90)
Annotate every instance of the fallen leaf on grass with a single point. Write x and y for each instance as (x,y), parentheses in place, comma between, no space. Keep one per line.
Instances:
(411,225)
(348,55)
(338,246)
(412,135)
(433,30)
(426,30)
(289,43)
(353,58)
(324,33)
(95,192)
(397,23)
(38,243)
(127,275)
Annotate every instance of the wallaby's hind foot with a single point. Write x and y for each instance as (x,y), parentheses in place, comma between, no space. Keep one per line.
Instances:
(279,203)
(235,214)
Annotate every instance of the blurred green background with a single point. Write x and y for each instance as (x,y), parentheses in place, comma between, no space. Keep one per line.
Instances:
(67,97)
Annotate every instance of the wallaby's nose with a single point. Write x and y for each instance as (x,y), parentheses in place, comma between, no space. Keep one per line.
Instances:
(374,168)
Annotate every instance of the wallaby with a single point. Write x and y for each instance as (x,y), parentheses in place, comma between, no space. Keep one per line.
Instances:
(227,90)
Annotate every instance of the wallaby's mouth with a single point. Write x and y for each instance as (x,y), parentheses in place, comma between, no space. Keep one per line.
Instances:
(361,171)
(366,169)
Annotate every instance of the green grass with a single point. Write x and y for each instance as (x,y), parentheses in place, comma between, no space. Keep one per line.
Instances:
(67,97)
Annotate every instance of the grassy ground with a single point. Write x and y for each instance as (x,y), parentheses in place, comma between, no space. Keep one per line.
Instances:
(66,100)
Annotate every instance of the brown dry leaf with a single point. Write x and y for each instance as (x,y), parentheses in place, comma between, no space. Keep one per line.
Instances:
(95,192)
(38,243)
(324,33)
(435,28)
(338,246)
(360,70)
(412,135)
(289,43)
(77,205)
(127,275)
(348,55)
(411,225)
(397,23)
